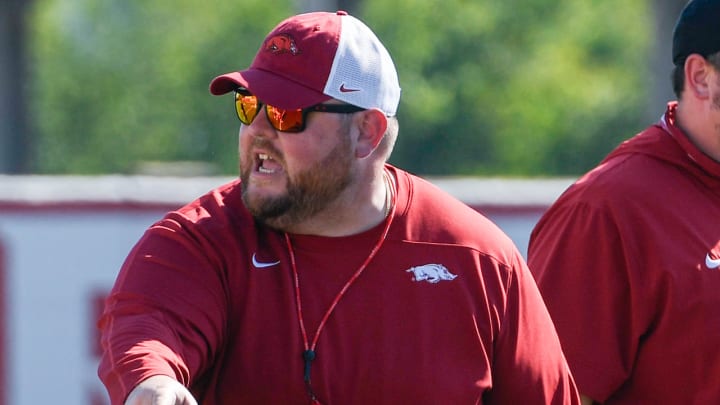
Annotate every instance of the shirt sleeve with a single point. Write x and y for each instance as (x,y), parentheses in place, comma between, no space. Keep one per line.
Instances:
(581,263)
(528,362)
(166,312)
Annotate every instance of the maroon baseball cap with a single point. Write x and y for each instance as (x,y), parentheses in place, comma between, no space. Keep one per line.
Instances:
(313,57)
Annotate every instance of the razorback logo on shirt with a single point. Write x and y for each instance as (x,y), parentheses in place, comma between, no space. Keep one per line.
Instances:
(432,273)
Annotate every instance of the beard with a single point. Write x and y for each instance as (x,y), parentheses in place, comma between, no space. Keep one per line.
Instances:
(308,192)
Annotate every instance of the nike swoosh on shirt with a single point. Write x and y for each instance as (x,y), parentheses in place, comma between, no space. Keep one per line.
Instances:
(711,263)
(261,265)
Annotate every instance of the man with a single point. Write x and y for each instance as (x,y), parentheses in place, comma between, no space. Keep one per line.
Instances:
(325,275)
(628,258)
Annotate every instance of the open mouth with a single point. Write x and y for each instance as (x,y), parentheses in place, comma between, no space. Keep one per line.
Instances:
(267,165)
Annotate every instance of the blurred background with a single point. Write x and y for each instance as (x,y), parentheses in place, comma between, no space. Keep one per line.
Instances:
(106,123)
(513,88)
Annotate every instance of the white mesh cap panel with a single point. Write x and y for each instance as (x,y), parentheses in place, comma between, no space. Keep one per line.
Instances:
(363,72)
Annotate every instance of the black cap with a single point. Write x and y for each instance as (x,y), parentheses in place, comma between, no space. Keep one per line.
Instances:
(697,30)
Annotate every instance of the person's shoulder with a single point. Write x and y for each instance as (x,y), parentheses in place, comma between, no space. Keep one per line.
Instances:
(631,171)
(436,216)
(428,194)
(426,197)
(222,204)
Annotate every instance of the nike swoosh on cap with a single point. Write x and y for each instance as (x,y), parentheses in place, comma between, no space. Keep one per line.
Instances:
(261,265)
(711,263)
(344,89)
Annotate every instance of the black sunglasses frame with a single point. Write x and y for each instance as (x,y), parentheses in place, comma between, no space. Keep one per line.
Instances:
(325,108)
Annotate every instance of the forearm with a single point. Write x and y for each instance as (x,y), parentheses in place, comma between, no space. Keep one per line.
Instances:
(131,356)
(165,315)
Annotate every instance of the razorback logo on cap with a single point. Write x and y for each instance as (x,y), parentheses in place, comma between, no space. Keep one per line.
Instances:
(281,43)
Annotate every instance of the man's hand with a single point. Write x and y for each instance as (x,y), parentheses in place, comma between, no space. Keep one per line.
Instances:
(160,390)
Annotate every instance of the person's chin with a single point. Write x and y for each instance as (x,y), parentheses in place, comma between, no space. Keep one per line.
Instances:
(262,194)
(266,187)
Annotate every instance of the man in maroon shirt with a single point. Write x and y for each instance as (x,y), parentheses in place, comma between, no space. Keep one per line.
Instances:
(326,275)
(628,258)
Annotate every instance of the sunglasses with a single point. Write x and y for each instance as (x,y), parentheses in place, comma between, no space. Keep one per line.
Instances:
(248,105)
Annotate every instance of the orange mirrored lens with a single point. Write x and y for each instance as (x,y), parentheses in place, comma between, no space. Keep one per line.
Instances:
(285,120)
(247,107)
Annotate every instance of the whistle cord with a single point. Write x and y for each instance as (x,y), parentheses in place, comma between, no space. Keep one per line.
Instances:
(309,353)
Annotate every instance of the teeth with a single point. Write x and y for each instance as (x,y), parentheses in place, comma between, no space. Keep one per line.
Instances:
(263,157)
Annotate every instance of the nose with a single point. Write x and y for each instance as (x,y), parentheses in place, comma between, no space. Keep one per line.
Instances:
(260,127)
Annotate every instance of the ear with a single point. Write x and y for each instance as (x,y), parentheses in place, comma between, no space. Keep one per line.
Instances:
(372,128)
(697,76)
